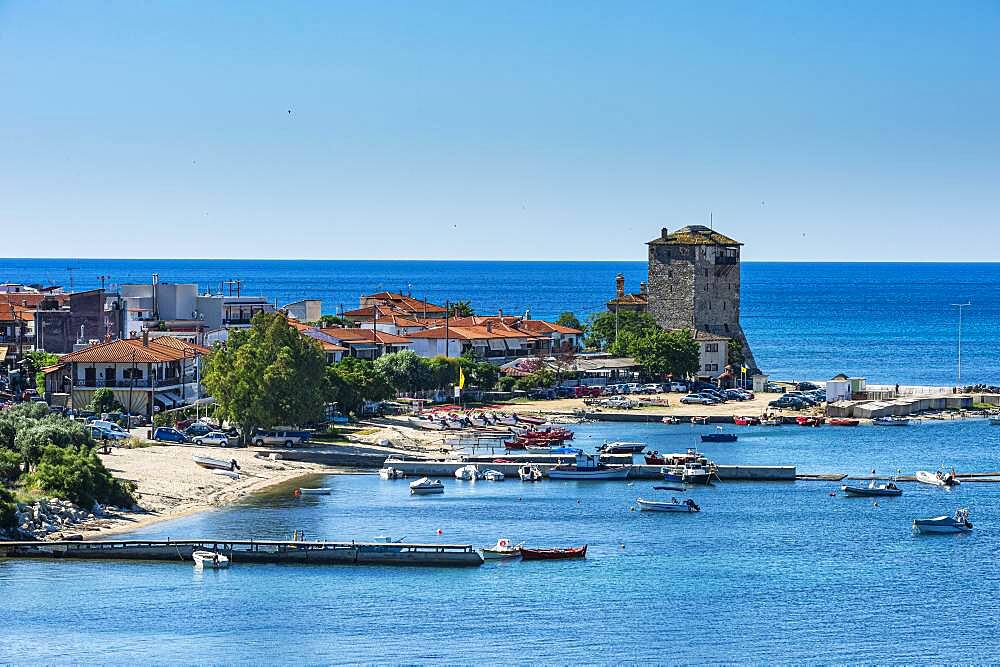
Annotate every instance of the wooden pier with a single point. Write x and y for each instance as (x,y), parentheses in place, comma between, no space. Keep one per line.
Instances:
(254,551)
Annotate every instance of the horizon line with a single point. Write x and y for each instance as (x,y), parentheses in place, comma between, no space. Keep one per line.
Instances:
(539,261)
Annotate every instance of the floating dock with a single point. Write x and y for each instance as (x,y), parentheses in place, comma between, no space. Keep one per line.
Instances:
(726,472)
(254,551)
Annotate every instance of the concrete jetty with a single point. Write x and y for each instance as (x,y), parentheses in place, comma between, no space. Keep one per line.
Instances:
(254,551)
(726,472)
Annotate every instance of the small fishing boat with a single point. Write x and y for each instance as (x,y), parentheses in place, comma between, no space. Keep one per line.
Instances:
(391,473)
(670,420)
(938,478)
(529,473)
(673,505)
(771,421)
(746,421)
(891,421)
(699,420)
(588,466)
(493,476)
(622,447)
(216,464)
(426,486)
(502,550)
(810,421)
(840,421)
(718,437)
(690,473)
(554,554)
(209,560)
(959,523)
(317,491)
(469,473)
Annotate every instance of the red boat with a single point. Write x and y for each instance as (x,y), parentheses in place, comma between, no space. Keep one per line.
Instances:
(655,459)
(810,421)
(554,554)
(746,421)
(838,421)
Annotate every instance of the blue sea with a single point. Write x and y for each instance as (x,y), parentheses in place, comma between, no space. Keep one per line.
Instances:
(891,323)
(780,573)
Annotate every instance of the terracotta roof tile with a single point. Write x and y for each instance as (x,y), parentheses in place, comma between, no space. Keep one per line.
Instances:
(126,350)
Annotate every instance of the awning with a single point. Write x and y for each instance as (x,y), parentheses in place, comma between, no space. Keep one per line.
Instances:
(497,344)
(3,352)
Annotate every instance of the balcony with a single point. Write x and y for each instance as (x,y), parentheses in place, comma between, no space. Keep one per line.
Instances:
(138,383)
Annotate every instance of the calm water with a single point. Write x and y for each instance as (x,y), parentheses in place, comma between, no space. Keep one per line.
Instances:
(888,322)
(768,572)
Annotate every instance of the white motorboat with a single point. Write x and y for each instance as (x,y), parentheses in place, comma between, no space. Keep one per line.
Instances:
(959,523)
(493,476)
(673,505)
(501,550)
(690,472)
(873,490)
(426,486)
(216,464)
(391,473)
(938,478)
(209,560)
(530,473)
(589,466)
(891,421)
(622,447)
(469,473)
(769,421)
(315,491)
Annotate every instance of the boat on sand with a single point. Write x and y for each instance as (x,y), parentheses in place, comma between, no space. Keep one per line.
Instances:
(216,464)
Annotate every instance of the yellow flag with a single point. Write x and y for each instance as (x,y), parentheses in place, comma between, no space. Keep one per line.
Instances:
(461,378)
(743,368)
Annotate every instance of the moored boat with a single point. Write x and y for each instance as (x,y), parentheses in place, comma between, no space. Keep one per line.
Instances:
(690,473)
(469,473)
(891,421)
(588,466)
(391,473)
(938,478)
(873,490)
(315,491)
(959,523)
(810,421)
(503,549)
(718,437)
(771,421)
(493,476)
(529,473)
(746,421)
(554,554)
(426,486)
(209,560)
(673,505)
(840,421)
(622,447)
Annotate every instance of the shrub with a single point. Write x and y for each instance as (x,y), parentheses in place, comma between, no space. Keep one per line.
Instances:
(10,465)
(78,475)
(506,383)
(542,378)
(54,430)
(8,510)
(104,400)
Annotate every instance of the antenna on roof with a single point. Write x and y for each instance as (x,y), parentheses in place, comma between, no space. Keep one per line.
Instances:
(711,221)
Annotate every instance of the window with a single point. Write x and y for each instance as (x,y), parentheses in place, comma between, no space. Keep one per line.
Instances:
(711,367)
(132,373)
(711,347)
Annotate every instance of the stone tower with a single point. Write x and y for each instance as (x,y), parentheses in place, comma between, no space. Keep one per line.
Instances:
(694,283)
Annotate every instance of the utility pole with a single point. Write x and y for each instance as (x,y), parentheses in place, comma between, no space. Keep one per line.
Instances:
(447,314)
(958,372)
(102,279)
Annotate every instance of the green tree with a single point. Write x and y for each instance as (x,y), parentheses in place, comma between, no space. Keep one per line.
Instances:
(55,430)
(34,362)
(506,383)
(104,400)
(602,330)
(406,371)
(461,309)
(352,381)
(267,375)
(10,465)
(334,321)
(480,374)
(80,476)
(569,319)
(663,353)
(8,510)
(734,353)
(538,379)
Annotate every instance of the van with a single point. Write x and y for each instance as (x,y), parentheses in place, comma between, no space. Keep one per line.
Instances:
(110,426)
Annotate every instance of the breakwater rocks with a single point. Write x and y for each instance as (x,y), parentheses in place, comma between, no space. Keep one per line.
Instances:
(52,518)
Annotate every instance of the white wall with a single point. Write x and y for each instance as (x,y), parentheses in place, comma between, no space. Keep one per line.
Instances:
(433,347)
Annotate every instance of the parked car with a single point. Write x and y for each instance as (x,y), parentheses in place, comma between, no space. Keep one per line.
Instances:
(212,438)
(735,394)
(542,394)
(565,392)
(807,386)
(788,402)
(286,438)
(774,388)
(110,426)
(102,433)
(699,399)
(168,434)
(678,387)
(198,428)
(651,388)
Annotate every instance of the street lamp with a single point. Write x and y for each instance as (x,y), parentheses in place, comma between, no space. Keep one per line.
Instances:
(958,373)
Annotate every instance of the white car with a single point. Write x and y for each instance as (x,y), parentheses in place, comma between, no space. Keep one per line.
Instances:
(214,438)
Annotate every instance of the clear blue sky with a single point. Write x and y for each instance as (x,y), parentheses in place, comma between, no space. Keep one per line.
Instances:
(498,130)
